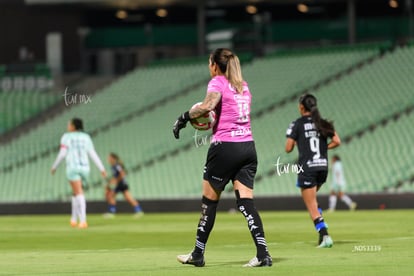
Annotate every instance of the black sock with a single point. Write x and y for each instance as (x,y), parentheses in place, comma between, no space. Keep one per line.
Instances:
(254,222)
(320,226)
(205,225)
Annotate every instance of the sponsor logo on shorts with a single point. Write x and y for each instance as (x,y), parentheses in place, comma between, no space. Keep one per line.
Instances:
(217,178)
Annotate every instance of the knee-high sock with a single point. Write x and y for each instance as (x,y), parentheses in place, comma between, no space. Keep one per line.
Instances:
(347,200)
(321,226)
(205,225)
(81,207)
(332,202)
(320,210)
(254,222)
(74,216)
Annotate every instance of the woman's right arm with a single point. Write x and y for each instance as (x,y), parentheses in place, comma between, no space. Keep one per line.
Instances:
(209,103)
(290,145)
(61,155)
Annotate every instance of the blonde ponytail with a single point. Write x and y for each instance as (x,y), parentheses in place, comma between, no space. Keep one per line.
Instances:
(234,74)
(229,65)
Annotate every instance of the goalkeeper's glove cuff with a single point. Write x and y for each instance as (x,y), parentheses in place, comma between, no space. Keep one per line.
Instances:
(185,116)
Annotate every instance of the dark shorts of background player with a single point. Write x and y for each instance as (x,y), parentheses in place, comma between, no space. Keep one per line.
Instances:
(312,179)
(121,187)
(231,161)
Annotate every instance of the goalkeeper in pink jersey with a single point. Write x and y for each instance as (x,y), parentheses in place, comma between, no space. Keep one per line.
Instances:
(231,156)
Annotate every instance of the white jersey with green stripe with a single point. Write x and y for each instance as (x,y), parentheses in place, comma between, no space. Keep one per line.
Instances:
(78,145)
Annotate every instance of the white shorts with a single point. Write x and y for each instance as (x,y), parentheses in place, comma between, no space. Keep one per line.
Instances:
(77,174)
(336,187)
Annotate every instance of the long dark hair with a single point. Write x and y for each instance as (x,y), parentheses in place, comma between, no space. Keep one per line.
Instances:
(336,158)
(77,123)
(117,159)
(325,127)
(229,65)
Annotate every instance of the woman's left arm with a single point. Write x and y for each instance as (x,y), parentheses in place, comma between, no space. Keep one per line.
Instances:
(335,141)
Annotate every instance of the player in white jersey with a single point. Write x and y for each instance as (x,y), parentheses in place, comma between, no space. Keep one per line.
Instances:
(76,146)
(338,186)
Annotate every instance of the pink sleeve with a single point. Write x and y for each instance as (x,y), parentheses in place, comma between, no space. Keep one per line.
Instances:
(215,85)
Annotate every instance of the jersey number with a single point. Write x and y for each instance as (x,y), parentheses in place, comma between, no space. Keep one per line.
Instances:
(243,111)
(314,146)
(78,145)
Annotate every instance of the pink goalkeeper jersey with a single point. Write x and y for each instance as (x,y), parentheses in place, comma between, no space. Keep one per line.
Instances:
(233,112)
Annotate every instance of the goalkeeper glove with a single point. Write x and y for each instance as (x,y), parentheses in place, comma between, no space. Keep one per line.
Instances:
(180,123)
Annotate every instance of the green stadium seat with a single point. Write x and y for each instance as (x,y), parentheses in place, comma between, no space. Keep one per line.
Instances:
(354,102)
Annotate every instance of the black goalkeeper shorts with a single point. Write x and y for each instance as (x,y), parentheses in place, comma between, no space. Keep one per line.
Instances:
(121,187)
(231,161)
(312,179)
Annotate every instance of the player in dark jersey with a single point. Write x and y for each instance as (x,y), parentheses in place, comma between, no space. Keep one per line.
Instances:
(118,179)
(310,133)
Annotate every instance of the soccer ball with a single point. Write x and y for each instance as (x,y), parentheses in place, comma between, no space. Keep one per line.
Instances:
(204,122)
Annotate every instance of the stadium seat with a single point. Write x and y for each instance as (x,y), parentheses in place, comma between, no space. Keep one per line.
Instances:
(171,169)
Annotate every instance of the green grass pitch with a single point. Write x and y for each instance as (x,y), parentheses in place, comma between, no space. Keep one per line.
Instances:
(365,243)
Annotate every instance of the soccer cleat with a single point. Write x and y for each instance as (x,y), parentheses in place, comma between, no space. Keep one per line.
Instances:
(188,259)
(83,225)
(138,215)
(255,262)
(73,223)
(353,206)
(327,242)
(109,215)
